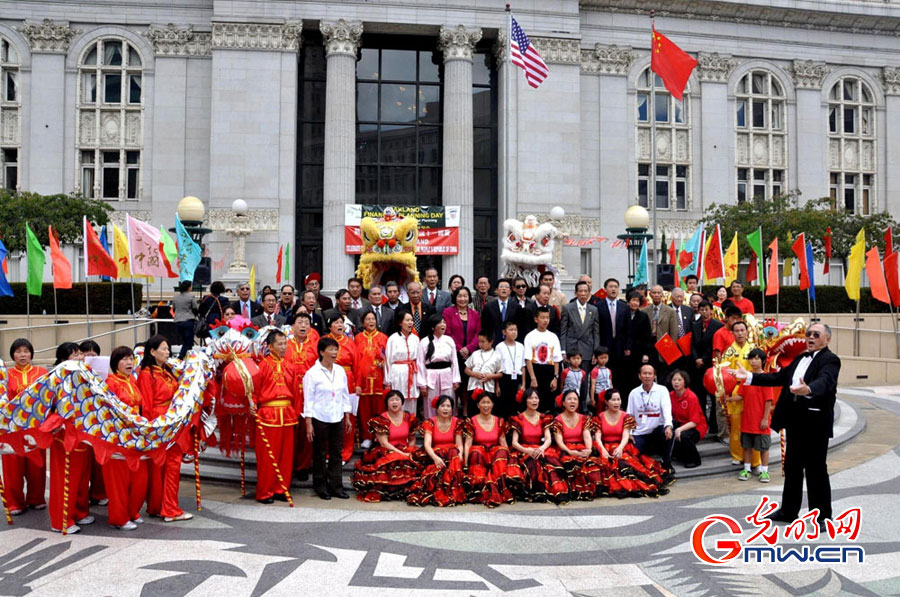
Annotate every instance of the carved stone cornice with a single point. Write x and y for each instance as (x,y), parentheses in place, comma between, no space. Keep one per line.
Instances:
(499,48)
(715,67)
(557,50)
(607,60)
(118,217)
(808,74)
(890,77)
(257,36)
(48,36)
(174,41)
(342,37)
(222,220)
(458,43)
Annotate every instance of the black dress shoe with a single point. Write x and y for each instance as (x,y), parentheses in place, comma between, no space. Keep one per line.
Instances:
(823,528)
(279,497)
(268,500)
(780,516)
(339,493)
(692,465)
(322,494)
(302,476)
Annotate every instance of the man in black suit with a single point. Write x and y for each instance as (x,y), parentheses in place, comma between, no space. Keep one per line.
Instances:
(244,306)
(269,315)
(805,410)
(419,309)
(592,299)
(310,304)
(702,353)
(541,299)
(614,318)
(496,313)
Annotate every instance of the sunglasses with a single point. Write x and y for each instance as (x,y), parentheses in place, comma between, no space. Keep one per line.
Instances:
(521,286)
(814,334)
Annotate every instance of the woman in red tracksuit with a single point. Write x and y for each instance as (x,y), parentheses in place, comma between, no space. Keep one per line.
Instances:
(126,489)
(157,385)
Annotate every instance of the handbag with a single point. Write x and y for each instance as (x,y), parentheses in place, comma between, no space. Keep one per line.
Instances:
(201,326)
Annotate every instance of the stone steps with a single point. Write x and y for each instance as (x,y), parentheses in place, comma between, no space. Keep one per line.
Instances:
(849,422)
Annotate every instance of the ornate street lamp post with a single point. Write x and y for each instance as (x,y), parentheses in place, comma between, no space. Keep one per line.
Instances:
(637,221)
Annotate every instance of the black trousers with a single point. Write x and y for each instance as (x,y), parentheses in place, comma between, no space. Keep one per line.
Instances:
(806,454)
(185,331)
(544,376)
(506,404)
(655,442)
(685,449)
(328,440)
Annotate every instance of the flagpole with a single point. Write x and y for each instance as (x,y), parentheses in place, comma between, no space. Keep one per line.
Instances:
(133,313)
(506,96)
(856,332)
(759,274)
(28,310)
(87,305)
(651,192)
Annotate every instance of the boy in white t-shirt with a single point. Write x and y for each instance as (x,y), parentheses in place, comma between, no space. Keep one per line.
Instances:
(484,366)
(512,355)
(542,357)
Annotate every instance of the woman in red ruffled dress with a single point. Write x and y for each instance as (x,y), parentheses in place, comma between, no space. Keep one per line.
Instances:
(486,453)
(387,470)
(158,385)
(126,489)
(573,438)
(441,481)
(626,472)
(535,472)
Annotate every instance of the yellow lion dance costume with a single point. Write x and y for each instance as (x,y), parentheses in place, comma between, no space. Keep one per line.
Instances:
(389,250)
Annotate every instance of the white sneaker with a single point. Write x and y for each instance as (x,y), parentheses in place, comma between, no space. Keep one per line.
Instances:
(15,512)
(103,502)
(182,516)
(69,531)
(86,520)
(367,443)
(39,507)
(128,526)
(138,520)
(736,462)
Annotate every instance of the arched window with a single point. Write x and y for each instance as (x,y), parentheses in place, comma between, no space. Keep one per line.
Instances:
(673,146)
(110,121)
(9,115)
(851,145)
(761,154)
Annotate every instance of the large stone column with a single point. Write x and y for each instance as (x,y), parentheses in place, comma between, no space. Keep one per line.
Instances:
(458,179)
(341,43)
(812,128)
(891,78)
(716,172)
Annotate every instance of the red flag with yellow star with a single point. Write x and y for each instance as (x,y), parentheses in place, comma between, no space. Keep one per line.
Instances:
(671,63)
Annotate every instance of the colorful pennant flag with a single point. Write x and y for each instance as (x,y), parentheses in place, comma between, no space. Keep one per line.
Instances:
(855,264)
(713,265)
(278,261)
(730,261)
(757,267)
(36,262)
(773,283)
(60,265)
(810,271)
(689,259)
(144,249)
(892,277)
(799,249)
(640,274)
(888,242)
(105,242)
(120,252)
(169,253)
(877,283)
(788,270)
(97,261)
(189,252)
(5,288)
(287,263)
(252,282)
(671,63)
(827,240)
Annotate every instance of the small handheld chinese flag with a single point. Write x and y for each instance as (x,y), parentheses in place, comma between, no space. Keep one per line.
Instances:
(671,63)
(668,349)
(684,343)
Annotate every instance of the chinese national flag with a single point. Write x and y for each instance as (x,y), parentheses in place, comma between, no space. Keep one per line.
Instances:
(98,261)
(668,349)
(799,249)
(827,239)
(892,277)
(62,269)
(671,63)
(684,343)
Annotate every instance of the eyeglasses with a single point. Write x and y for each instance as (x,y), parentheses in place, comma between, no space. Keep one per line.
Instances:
(521,286)
(813,334)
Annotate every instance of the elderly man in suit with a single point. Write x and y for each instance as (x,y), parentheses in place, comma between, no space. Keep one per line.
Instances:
(438,299)
(663,320)
(805,410)
(244,306)
(419,309)
(579,326)
(268,316)
(384,315)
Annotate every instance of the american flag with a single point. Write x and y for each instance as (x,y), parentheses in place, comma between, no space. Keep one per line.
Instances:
(524,55)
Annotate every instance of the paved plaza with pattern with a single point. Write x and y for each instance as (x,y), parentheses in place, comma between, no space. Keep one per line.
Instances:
(605,547)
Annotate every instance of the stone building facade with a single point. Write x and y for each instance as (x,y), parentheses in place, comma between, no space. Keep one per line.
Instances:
(299,108)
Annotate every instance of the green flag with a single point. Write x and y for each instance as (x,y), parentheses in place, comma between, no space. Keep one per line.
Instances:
(169,252)
(36,262)
(756,244)
(287,262)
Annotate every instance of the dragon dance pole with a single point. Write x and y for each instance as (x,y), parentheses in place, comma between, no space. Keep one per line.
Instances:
(197,470)
(5,507)
(65,512)
(243,478)
(262,433)
(781,434)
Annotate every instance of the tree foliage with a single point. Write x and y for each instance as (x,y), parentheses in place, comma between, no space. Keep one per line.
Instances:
(784,214)
(63,212)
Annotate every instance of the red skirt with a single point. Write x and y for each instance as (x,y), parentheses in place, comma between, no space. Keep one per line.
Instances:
(537,480)
(382,474)
(438,487)
(584,475)
(633,475)
(487,479)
